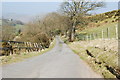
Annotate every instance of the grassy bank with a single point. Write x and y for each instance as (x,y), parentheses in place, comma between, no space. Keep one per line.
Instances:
(23,56)
(97,57)
(102,29)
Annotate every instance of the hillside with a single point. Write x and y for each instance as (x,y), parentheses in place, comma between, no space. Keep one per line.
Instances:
(10,22)
(97,44)
(99,24)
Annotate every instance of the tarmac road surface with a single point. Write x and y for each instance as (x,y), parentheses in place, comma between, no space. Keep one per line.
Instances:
(60,62)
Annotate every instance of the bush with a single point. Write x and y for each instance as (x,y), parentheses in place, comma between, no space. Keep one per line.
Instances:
(42,38)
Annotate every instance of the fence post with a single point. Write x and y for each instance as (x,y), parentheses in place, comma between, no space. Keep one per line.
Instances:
(37,46)
(90,37)
(107,32)
(84,38)
(87,37)
(34,46)
(28,47)
(93,36)
(102,34)
(24,46)
(116,32)
(10,48)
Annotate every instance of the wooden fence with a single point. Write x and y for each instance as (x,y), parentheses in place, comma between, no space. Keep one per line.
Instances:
(15,47)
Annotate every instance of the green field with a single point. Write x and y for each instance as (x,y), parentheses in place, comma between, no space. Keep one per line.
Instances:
(108,30)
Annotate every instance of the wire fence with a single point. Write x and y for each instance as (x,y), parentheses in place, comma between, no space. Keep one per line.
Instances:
(108,33)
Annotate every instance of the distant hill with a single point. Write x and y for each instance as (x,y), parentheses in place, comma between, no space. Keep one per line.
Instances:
(11,22)
(16,24)
(23,18)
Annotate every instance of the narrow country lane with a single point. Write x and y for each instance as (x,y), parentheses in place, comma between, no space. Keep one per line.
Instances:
(60,62)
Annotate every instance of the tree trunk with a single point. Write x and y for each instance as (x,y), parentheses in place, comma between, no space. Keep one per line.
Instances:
(72,30)
(72,34)
(66,34)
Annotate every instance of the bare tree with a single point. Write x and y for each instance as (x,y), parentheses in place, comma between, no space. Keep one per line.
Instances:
(8,32)
(54,23)
(73,9)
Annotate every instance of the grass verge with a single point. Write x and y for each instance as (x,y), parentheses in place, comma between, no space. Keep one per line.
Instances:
(97,63)
(17,58)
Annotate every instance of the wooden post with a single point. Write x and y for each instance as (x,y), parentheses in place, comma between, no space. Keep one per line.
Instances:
(25,46)
(31,46)
(102,34)
(37,46)
(84,38)
(28,46)
(87,37)
(93,36)
(116,32)
(90,37)
(34,45)
(108,33)
(18,46)
(10,48)
(96,35)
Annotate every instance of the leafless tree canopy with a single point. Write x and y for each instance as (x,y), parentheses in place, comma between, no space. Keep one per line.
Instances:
(74,9)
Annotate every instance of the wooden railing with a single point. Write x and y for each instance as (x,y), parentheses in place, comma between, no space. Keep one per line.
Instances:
(16,47)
